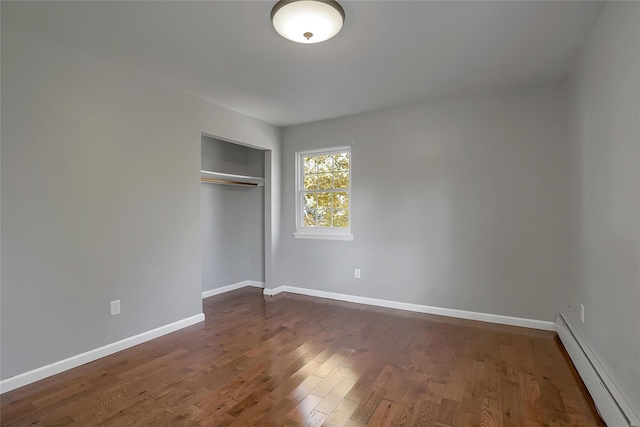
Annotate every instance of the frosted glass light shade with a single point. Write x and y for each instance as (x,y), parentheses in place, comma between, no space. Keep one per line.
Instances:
(307,21)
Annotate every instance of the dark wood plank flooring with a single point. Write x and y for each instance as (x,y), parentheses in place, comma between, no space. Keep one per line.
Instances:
(292,360)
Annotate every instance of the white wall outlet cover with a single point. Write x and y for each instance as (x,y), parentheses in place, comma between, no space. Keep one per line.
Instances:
(115,307)
(357,273)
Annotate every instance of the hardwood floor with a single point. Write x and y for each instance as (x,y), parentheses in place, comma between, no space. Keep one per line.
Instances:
(291,360)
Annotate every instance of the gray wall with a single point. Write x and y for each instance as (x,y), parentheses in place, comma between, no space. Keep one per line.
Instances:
(100,200)
(458,204)
(605,168)
(232,218)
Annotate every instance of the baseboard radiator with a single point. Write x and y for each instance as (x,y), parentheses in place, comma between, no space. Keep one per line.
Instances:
(613,408)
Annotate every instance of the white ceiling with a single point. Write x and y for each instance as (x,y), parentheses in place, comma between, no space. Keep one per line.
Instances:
(389,53)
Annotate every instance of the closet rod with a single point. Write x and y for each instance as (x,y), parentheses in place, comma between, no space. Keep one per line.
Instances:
(228,182)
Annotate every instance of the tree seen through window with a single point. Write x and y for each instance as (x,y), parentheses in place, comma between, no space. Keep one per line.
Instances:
(325,195)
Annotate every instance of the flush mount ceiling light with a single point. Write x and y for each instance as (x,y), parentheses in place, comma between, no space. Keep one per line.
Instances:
(307,21)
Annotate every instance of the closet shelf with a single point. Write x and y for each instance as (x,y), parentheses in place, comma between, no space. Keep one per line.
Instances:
(210,177)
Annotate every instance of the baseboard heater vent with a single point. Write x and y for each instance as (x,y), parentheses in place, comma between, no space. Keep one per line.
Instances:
(613,408)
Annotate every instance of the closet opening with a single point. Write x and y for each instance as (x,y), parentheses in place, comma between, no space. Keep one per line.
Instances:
(232,215)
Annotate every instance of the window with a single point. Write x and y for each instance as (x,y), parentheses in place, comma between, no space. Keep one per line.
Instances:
(323,194)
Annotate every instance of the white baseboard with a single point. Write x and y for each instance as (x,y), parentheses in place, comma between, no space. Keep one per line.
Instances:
(272,292)
(38,374)
(232,287)
(611,404)
(462,314)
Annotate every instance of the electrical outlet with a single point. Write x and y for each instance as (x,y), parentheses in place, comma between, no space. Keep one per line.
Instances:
(115,307)
(582,313)
(357,273)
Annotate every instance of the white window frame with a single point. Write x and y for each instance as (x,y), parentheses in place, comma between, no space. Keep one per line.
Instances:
(323,233)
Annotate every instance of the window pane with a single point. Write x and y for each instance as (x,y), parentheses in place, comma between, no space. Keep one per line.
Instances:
(324,218)
(324,187)
(341,200)
(341,161)
(324,200)
(325,181)
(310,217)
(310,200)
(341,180)
(310,165)
(311,182)
(324,163)
(340,218)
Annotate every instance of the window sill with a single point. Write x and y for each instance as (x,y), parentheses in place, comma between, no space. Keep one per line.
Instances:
(323,236)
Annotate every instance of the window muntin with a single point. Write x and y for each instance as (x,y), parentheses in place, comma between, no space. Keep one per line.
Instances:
(324,193)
